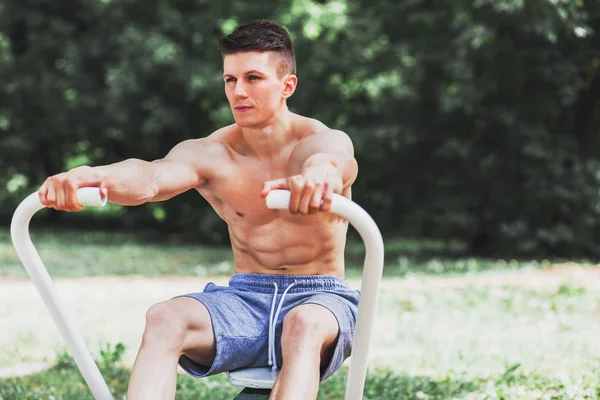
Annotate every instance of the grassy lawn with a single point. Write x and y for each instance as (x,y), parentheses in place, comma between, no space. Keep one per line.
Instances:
(445,329)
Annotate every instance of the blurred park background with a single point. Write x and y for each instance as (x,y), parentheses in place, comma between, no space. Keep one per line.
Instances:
(476,127)
(475,121)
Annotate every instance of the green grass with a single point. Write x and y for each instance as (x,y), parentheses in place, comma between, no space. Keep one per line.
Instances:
(480,328)
(77,254)
(97,253)
(456,328)
(63,381)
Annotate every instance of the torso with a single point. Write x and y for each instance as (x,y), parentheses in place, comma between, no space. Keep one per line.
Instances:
(264,240)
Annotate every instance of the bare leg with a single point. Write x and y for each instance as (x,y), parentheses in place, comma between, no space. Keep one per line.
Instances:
(309,335)
(177,326)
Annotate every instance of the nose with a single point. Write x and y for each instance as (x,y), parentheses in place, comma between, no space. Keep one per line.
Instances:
(240,90)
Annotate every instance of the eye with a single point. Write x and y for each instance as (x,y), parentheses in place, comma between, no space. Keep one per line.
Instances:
(253,77)
(229,80)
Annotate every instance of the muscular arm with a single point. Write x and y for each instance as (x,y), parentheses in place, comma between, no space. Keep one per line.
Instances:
(328,154)
(133,181)
(319,165)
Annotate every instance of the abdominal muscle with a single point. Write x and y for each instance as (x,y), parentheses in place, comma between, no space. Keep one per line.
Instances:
(268,241)
(288,245)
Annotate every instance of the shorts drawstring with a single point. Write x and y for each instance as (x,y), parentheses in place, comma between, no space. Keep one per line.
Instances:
(273,323)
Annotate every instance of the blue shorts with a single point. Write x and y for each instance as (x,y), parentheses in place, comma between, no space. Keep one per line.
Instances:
(241,315)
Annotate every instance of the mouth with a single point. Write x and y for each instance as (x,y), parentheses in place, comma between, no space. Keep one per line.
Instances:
(242,108)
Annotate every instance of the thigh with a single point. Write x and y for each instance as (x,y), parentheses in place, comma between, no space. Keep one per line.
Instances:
(239,330)
(198,340)
(311,324)
(343,307)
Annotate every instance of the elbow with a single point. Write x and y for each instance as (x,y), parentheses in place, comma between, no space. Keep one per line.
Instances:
(149,190)
(152,192)
(351,172)
(347,167)
(344,165)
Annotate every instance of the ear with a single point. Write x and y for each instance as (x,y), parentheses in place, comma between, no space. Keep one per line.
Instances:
(289,85)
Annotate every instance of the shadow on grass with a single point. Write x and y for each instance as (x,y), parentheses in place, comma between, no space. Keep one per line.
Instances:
(63,382)
(93,253)
(385,384)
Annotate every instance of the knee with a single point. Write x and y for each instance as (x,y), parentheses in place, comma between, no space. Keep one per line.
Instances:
(165,326)
(303,325)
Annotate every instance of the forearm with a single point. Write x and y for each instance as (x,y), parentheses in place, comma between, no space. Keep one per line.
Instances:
(129,182)
(338,168)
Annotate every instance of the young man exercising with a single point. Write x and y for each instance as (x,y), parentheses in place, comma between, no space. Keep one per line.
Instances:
(293,259)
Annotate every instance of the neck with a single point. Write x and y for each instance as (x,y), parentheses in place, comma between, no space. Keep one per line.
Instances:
(269,140)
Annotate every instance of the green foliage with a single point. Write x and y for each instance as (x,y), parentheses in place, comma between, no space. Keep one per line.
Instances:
(492,149)
(475,121)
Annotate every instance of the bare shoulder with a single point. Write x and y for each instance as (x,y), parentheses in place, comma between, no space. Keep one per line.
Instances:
(314,134)
(197,150)
(305,126)
(204,156)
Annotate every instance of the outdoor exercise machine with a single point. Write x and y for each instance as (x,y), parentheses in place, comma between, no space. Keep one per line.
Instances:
(257,381)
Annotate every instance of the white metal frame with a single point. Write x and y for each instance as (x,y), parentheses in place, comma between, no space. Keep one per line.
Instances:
(277,199)
(19,230)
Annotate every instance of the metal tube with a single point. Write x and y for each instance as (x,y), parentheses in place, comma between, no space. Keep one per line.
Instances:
(38,273)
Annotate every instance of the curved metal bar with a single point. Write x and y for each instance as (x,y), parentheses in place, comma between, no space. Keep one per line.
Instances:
(19,230)
(372,272)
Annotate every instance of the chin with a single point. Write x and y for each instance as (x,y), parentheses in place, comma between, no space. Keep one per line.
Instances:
(244,124)
(248,123)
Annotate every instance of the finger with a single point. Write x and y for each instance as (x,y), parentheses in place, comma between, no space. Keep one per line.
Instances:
(272,185)
(71,200)
(327,197)
(68,194)
(317,198)
(309,188)
(61,197)
(43,194)
(51,196)
(296,186)
(103,190)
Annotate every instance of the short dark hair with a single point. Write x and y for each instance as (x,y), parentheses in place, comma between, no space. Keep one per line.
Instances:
(262,35)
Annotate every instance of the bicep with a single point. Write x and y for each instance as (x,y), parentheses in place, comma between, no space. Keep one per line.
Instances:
(179,171)
(172,178)
(335,145)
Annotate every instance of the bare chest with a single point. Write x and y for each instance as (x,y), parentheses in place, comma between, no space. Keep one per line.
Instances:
(235,193)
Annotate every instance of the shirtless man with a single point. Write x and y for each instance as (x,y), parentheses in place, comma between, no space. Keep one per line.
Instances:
(287,303)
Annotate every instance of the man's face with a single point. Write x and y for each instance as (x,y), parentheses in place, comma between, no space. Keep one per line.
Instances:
(254,90)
